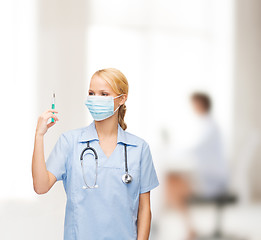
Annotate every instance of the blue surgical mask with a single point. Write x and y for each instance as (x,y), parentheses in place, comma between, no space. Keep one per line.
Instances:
(101,107)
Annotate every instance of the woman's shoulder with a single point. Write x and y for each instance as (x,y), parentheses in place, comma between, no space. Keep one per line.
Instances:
(138,140)
(75,133)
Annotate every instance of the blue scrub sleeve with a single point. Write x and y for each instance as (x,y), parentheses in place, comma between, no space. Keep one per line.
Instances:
(57,160)
(149,179)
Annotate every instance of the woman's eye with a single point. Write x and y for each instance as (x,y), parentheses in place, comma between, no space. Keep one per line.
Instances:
(104,94)
(90,93)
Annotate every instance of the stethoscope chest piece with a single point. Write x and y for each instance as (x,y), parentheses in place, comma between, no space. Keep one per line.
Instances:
(126,178)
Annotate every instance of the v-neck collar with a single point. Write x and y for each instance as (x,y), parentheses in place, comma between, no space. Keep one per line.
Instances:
(104,155)
(89,133)
(99,146)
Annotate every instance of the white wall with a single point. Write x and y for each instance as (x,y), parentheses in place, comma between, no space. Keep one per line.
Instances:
(247,114)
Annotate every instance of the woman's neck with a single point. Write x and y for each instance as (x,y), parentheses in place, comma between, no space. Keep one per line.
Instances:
(107,128)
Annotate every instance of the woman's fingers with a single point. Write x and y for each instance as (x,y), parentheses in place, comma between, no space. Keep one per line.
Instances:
(51,115)
(48,113)
(42,125)
(50,124)
(51,110)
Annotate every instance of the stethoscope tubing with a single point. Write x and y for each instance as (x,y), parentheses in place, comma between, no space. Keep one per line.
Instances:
(126,178)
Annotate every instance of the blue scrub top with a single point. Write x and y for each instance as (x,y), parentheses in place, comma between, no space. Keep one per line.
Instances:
(110,211)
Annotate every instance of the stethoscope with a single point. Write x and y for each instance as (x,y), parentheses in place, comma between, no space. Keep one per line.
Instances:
(126,178)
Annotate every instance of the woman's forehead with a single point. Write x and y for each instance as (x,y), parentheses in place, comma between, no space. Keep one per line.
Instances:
(98,83)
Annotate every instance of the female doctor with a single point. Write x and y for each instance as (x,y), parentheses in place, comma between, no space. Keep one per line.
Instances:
(107,172)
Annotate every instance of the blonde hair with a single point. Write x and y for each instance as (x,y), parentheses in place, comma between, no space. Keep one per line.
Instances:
(119,84)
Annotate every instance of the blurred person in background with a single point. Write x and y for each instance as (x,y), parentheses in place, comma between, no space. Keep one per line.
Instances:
(206,149)
(197,167)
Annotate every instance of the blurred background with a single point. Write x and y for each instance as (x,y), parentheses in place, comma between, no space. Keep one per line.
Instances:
(193,68)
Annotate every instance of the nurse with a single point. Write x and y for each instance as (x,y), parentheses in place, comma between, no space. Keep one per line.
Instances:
(99,206)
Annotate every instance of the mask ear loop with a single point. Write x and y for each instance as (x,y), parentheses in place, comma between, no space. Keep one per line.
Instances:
(118,96)
(120,105)
(116,109)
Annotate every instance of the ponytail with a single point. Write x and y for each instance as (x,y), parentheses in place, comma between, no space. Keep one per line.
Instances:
(122,111)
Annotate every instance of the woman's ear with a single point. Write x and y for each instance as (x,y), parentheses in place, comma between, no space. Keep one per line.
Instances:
(123,99)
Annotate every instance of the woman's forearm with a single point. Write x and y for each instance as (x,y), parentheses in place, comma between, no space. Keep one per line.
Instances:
(144,218)
(42,180)
(39,171)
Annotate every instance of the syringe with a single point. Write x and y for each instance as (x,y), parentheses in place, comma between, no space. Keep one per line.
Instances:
(53,104)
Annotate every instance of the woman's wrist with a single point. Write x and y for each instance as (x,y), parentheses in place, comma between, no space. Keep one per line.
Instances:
(38,134)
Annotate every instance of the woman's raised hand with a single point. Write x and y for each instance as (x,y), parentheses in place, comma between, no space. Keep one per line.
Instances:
(42,125)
